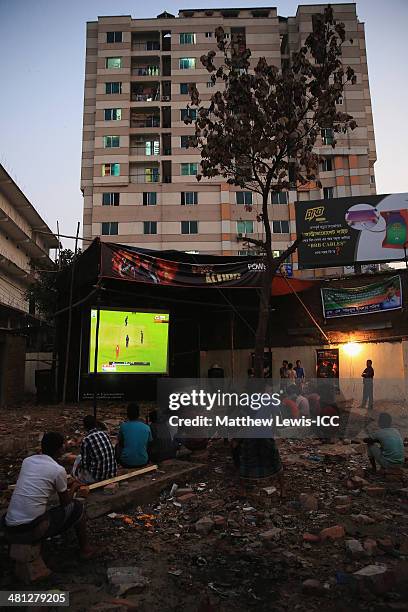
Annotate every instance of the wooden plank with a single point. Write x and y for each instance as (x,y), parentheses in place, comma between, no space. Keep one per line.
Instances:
(103,483)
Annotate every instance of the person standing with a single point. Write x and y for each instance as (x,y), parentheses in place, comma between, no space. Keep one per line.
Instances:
(141,336)
(127,340)
(283,372)
(291,374)
(300,372)
(368,386)
(117,351)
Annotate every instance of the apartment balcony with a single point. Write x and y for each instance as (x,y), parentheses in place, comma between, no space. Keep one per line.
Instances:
(142,174)
(146,41)
(145,119)
(150,92)
(145,148)
(146,67)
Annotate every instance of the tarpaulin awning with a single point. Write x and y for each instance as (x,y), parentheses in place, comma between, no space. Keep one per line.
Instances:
(179,269)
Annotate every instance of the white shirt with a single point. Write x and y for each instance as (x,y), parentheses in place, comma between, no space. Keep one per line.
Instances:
(40,476)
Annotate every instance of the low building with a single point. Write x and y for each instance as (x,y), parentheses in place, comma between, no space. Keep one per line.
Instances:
(24,238)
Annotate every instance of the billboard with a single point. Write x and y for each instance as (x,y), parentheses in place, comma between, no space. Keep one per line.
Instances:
(359,229)
(351,301)
(129,342)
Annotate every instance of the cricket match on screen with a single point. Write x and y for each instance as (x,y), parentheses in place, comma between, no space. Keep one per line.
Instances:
(129,342)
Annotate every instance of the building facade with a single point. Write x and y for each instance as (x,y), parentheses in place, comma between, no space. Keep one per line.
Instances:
(138,176)
(23,239)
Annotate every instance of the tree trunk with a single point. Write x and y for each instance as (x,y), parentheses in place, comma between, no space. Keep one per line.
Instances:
(263,316)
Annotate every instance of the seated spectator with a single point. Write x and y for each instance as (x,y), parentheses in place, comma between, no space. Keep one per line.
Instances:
(314,401)
(134,437)
(301,401)
(289,407)
(28,520)
(96,461)
(161,447)
(385,446)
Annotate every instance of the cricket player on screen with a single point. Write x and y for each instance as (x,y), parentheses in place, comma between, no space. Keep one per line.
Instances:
(117,351)
(141,336)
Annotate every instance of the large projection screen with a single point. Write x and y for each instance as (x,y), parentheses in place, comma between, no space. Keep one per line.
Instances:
(129,342)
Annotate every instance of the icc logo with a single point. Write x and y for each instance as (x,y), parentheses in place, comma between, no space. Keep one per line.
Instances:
(314,213)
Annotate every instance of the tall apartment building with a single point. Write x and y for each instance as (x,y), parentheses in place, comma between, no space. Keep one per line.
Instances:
(138,176)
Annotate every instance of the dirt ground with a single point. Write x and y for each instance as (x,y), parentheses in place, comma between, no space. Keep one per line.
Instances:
(251,552)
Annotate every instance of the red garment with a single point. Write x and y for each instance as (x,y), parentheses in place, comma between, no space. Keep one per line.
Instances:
(294,410)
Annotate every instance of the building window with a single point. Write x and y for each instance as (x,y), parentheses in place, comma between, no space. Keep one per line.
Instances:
(210,84)
(326,164)
(187,63)
(189,198)
(111,142)
(227,35)
(151,175)
(189,227)
(187,38)
(150,198)
(113,63)
(327,136)
(339,100)
(114,37)
(113,114)
(150,227)
(244,197)
(245,227)
(110,169)
(185,88)
(277,253)
(280,197)
(114,87)
(280,227)
(188,169)
(247,253)
(109,228)
(208,34)
(184,142)
(328,193)
(372,179)
(188,113)
(110,198)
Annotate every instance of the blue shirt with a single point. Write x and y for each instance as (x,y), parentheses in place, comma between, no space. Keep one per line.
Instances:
(392,444)
(135,436)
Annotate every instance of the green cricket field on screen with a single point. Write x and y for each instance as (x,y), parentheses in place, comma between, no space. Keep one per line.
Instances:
(130,342)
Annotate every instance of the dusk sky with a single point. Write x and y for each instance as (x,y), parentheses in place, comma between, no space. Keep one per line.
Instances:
(42,46)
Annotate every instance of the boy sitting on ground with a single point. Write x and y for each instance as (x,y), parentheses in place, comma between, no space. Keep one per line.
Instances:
(27,520)
(385,446)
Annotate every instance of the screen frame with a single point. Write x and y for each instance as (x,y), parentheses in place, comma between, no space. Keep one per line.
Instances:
(92,371)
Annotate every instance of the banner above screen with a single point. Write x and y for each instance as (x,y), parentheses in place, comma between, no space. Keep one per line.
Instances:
(345,231)
(180,269)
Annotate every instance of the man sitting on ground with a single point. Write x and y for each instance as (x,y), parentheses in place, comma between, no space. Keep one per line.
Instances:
(27,520)
(162,446)
(96,461)
(134,437)
(385,446)
(300,400)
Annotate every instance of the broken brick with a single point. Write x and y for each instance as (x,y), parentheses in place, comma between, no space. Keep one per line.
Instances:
(311,538)
(333,533)
(375,491)
(308,502)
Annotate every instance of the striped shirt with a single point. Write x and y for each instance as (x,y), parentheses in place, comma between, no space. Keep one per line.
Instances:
(98,455)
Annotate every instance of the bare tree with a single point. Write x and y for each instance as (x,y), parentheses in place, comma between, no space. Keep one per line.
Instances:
(260,129)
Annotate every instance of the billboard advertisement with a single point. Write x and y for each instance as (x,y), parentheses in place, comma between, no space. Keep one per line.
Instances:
(359,229)
(351,301)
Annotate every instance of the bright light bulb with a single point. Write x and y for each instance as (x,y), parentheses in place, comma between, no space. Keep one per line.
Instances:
(352,348)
